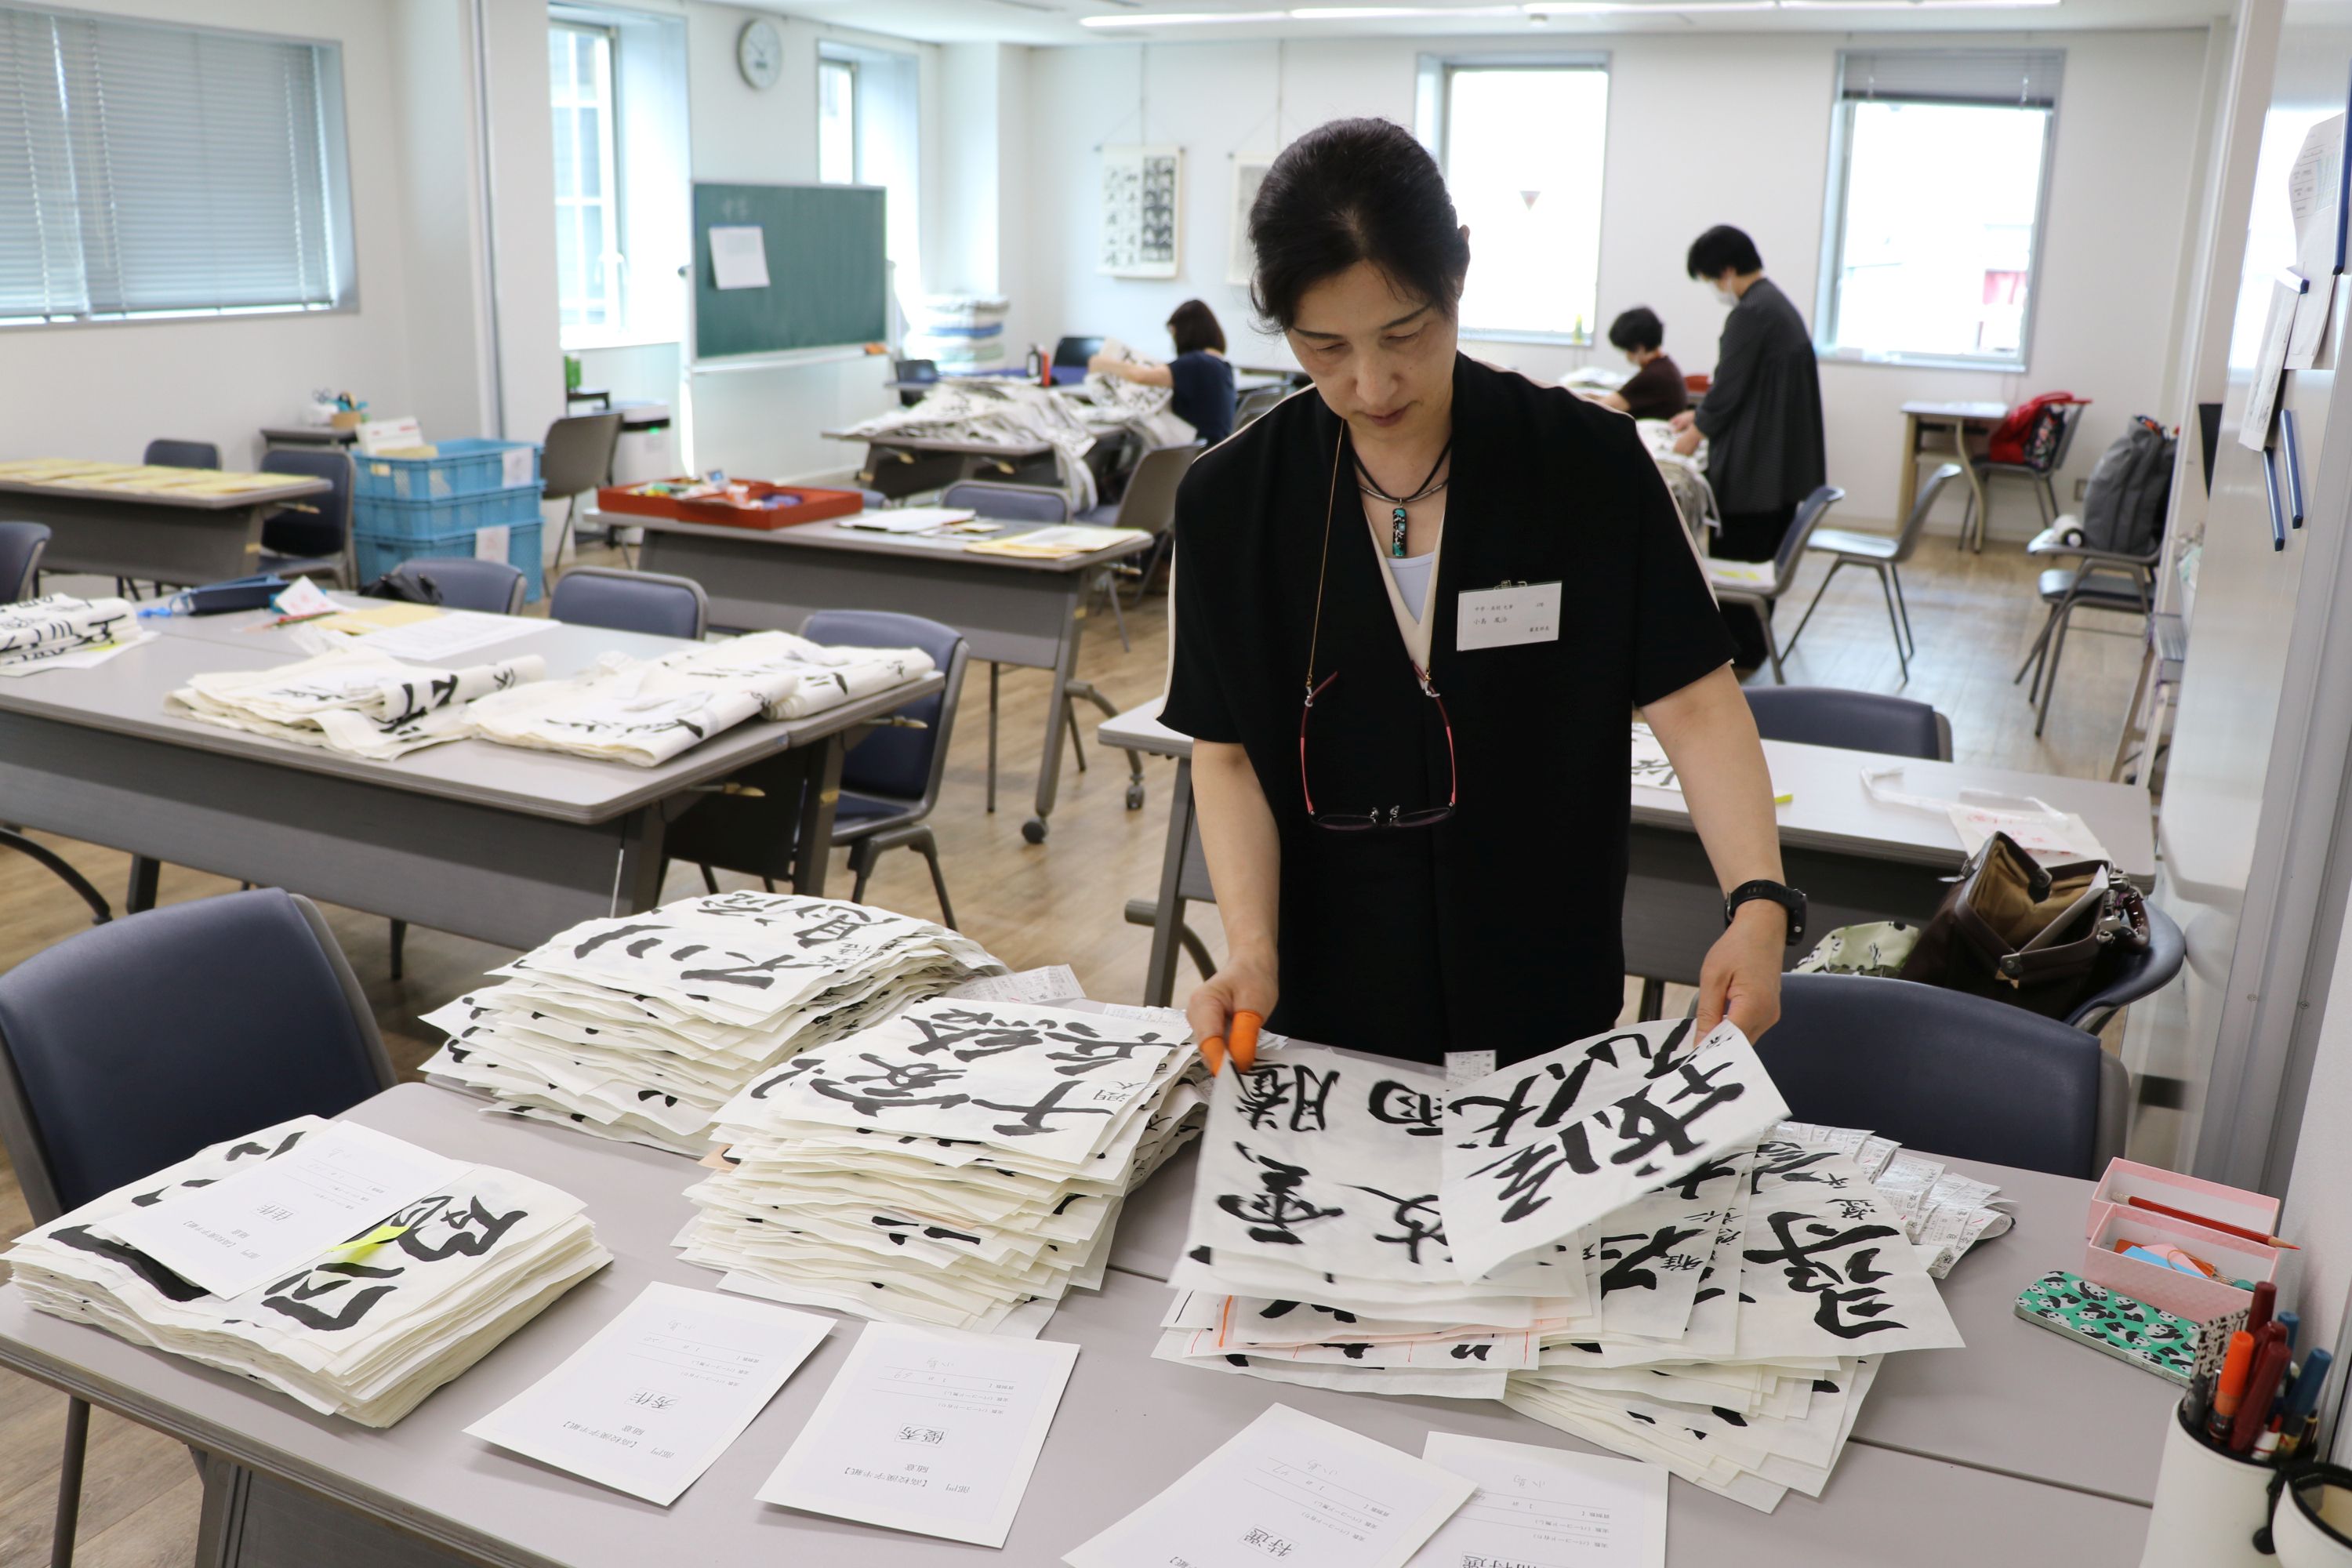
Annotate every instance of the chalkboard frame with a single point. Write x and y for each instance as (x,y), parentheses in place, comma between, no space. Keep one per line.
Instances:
(840,229)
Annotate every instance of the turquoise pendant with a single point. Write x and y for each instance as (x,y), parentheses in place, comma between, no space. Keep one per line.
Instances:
(1396,533)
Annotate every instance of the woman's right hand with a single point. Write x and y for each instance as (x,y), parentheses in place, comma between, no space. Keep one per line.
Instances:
(1245,985)
(1683,421)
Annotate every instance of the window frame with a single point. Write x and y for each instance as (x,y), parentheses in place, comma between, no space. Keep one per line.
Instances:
(615,329)
(1432,100)
(1829,291)
(332,118)
(848,67)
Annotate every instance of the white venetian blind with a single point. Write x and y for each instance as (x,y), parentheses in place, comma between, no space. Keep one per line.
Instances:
(1995,77)
(147,168)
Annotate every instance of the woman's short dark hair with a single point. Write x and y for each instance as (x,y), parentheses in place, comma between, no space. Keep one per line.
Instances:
(1638,328)
(1721,246)
(1351,190)
(1195,326)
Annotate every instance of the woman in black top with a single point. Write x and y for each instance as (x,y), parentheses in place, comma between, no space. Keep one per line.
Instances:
(1655,389)
(1203,379)
(1428,853)
(1761,415)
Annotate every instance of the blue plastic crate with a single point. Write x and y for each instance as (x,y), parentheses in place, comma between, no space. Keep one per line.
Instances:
(467,467)
(429,519)
(377,555)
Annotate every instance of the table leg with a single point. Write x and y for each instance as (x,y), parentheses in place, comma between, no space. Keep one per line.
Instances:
(1906,487)
(995,675)
(819,796)
(1049,768)
(637,875)
(141,894)
(1168,918)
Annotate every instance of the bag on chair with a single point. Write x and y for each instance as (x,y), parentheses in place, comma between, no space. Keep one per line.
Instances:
(2124,503)
(2038,937)
(2028,434)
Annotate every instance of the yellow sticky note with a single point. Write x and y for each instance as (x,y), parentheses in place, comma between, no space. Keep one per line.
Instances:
(379,617)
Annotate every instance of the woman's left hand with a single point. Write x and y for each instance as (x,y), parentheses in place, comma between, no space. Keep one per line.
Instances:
(1741,977)
(1687,442)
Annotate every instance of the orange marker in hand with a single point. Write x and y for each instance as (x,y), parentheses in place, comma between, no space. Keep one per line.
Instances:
(1245,1027)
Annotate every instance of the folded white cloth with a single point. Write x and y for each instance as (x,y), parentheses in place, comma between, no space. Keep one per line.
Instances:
(350,701)
(58,623)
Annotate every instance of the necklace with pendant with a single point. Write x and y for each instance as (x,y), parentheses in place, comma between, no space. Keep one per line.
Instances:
(1429,487)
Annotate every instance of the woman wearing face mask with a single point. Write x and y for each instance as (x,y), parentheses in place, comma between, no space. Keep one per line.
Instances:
(1761,415)
(1413,614)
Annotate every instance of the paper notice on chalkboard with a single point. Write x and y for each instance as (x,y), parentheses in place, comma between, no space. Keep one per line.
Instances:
(738,256)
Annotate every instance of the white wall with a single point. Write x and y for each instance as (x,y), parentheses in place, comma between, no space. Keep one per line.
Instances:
(104,390)
(2318,1218)
(1716,127)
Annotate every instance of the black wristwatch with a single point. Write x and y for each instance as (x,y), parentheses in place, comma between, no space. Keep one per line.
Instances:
(1780,893)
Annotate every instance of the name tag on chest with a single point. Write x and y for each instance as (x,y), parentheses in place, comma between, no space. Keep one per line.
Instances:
(1506,617)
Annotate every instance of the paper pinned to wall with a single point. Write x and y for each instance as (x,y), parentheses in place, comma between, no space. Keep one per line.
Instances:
(2313,186)
(2269,363)
(738,256)
(490,542)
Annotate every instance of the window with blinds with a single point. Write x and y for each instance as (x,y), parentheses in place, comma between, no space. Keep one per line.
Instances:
(154,170)
(1932,239)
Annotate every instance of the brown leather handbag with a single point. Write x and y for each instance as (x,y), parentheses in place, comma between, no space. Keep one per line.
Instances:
(2044,938)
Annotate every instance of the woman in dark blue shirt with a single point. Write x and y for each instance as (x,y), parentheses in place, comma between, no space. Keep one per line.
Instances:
(1203,379)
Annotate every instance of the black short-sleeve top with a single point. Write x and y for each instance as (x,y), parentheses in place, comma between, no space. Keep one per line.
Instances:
(1499,929)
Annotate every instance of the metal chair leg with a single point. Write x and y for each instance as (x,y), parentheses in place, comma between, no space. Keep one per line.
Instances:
(69,1467)
(995,672)
(709,879)
(1894,625)
(1771,644)
(1908,635)
(1653,999)
(861,861)
(1084,691)
(1190,939)
(2050,671)
(100,914)
(1118,614)
(1830,576)
(2033,653)
(927,846)
(399,947)
(1070,723)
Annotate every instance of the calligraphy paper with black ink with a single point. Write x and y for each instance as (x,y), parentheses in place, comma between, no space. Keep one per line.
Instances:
(1542,1148)
(44,628)
(351,700)
(367,1330)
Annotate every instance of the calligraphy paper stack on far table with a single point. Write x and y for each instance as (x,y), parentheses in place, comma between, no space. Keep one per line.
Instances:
(365,1330)
(640,1027)
(1612,1239)
(960,1166)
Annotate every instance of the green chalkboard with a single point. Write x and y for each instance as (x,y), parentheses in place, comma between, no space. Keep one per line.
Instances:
(826,270)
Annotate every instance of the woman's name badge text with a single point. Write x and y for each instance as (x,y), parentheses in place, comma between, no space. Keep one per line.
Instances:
(1507,616)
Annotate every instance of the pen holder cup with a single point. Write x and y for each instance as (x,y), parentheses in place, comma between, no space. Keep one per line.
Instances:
(2311,1520)
(2209,1503)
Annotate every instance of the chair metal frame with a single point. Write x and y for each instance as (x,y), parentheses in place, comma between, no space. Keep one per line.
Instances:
(571,496)
(1809,512)
(2105,580)
(1885,559)
(27,585)
(2046,494)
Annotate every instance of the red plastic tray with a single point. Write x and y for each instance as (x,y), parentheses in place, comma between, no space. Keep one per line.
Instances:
(814,505)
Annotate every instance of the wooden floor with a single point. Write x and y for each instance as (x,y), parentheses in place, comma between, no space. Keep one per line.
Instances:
(1975,617)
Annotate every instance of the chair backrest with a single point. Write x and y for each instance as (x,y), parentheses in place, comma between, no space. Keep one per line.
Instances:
(914,370)
(2070,420)
(21,544)
(170,454)
(1946,1073)
(1009,503)
(2135,974)
(1925,502)
(900,765)
(621,601)
(1809,512)
(1858,720)
(324,532)
(469,584)
(132,1046)
(1149,500)
(578,455)
(1256,401)
(1077,351)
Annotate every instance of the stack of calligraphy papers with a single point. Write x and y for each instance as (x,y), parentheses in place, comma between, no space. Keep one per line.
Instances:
(1943,1213)
(960,1165)
(365,1330)
(35,632)
(353,701)
(631,710)
(640,1027)
(1612,1239)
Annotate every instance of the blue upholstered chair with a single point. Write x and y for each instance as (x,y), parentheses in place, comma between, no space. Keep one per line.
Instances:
(622,601)
(1857,720)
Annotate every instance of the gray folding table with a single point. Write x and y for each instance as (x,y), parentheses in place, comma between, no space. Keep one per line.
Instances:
(494,842)
(284,1486)
(1011,611)
(1857,857)
(151,534)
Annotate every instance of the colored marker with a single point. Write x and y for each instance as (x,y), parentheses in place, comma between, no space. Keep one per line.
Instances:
(2294,1321)
(2303,1399)
(2254,1405)
(2200,1403)
(2222,1225)
(2259,1314)
(2235,1365)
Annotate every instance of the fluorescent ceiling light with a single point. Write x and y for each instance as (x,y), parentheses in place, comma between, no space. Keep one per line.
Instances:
(1632,8)
(1395,13)
(1181,18)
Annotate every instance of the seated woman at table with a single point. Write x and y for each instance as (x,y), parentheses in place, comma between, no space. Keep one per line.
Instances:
(1203,379)
(1657,390)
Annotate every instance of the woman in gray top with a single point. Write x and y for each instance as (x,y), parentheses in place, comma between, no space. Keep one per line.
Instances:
(1762,415)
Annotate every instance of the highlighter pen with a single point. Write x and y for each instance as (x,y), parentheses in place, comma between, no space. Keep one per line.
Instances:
(2254,1405)
(2231,1388)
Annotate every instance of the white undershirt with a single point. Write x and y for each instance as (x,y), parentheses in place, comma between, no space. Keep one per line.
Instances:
(1411,574)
